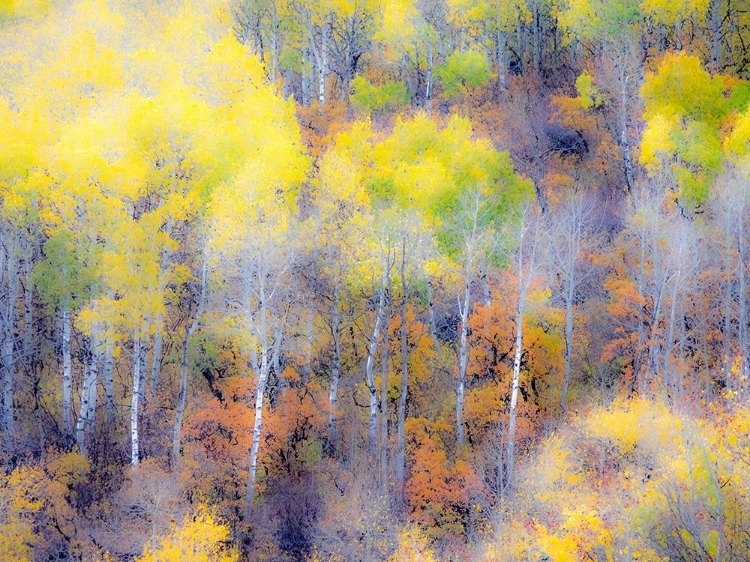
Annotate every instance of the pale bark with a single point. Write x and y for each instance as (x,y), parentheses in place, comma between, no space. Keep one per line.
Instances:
(9,318)
(182,396)
(309,340)
(109,380)
(568,346)
(28,308)
(385,358)
(514,392)
(372,432)
(525,265)
(335,366)
(714,20)
(622,79)
(401,443)
(433,326)
(464,309)
(134,402)
(742,265)
(67,378)
(259,396)
(156,355)
(88,397)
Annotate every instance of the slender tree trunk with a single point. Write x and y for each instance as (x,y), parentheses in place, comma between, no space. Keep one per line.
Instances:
(524,282)
(742,265)
(28,308)
(638,359)
(134,402)
(275,44)
(429,77)
(8,360)
(335,366)
(309,341)
(321,57)
(622,78)
(259,396)
(463,357)
(88,392)
(514,390)
(501,39)
(568,344)
(109,380)
(157,354)
(182,396)
(714,30)
(181,399)
(667,369)
(537,37)
(728,311)
(142,358)
(433,326)
(401,445)
(67,377)
(385,358)
(372,432)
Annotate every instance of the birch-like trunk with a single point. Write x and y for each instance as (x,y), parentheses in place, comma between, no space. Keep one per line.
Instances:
(463,359)
(742,265)
(385,358)
(335,366)
(182,396)
(87,409)
(715,18)
(622,78)
(134,402)
(401,442)
(568,345)
(109,379)
(511,458)
(67,377)
(524,281)
(28,309)
(259,396)
(156,355)
(433,325)
(372,426)
(309,341)
(8,320)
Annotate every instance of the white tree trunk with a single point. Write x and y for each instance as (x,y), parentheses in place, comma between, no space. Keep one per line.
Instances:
(88,398)
(385,358)
(156,356)
(8,321)
(372,426)
(67,376)
(401,443)
(463,360)
(335,366)
(259,397)
(135,398)
(109,381)
(568,345)
(28,304)
(514,392)
(182,397)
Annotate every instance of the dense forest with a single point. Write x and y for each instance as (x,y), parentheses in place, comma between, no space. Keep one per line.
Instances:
(363,280)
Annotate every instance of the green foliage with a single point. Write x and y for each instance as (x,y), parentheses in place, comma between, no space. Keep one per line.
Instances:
(64,279)
(595,19)
(368,98)
(588,93)
(462,72)
(687,114)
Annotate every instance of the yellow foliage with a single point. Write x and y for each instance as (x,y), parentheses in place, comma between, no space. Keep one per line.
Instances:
(201,538)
